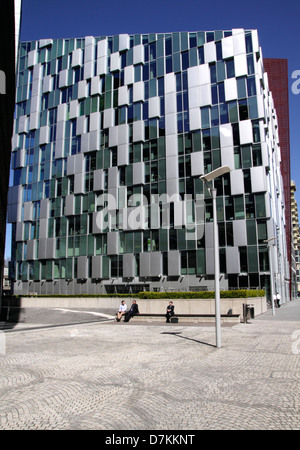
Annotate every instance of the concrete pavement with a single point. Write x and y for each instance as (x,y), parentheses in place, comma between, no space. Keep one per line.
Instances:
(74,370)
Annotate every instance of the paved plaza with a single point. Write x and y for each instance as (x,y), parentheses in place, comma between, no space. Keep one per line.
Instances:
(80,370)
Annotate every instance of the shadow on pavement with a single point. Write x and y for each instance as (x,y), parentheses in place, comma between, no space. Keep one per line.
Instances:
(177,334)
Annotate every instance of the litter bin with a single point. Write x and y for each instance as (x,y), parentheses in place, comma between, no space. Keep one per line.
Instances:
(249,312)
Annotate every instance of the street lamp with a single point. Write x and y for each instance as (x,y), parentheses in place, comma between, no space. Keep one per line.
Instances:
(271,272)
(213,192)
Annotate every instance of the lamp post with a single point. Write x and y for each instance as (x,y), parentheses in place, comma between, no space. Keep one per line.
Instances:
(267,241)
(213,192)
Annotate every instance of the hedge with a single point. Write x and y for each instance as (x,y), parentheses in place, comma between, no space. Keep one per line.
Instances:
(241,293)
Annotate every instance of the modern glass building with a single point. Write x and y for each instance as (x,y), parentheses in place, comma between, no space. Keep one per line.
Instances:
(111,136)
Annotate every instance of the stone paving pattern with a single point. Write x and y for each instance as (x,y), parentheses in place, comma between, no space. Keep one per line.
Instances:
(108,376)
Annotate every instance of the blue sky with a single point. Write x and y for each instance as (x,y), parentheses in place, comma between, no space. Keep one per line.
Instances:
(277,24)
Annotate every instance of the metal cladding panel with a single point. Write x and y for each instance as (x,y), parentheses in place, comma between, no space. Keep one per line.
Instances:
(128,265)
(145,264)
(28,209)
(154,107)
(170,103)
(82,267)
(79,183)
(50,248)
(138,54)
(113,243)
(246,133)
(230,89)
(195,119)
(138,173)
(43,232)
(97,266)
(237,182)
(19,231)
(227,157)
(174,263)
(227,47)
(44,208)
(226,136)
(69,205)
(239,233)
(232,260)
(210,53)
(209,235)
(170,83)
(197,165)
(138,131)
(172,167)
(42,248)
(99,180)
(155,264)
(240,65)
(123,155)
(31,250)
(171,145)
(258,179)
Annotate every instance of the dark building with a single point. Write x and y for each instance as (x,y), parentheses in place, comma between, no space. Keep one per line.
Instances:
(9,10)
(277,70)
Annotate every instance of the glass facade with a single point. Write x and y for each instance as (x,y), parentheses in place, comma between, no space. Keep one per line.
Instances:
(111,137)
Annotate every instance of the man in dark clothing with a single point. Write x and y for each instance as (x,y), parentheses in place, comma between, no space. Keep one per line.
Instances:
(170,311)
(132,312)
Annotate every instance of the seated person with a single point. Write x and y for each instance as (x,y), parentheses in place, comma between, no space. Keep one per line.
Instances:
(132,312)
(122,310)
(169,312)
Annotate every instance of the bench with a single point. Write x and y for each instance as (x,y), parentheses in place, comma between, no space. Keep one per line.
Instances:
(186,318)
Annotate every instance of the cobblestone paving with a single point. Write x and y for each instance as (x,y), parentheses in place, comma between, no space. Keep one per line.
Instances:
(109,375)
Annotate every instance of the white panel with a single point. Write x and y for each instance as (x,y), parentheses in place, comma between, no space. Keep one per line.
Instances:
(246,134)
(44,135)
(154,107)
(258,179)
(73,113)
(171,145)
(123,155)
(108,118)
(194,97)
(195,119)
(170,83)
(34,121)
(88,70)
(62,112)
(232,260)
(171,124)
(227,157)
(237,182)
(47,84)
(239,45)
(124,42)
(204,74)
(77,57)
(101,66)
(95,121)
(113,136)
(102,49)
(23,124)
(138,131)
(80,125)
(82,89)
(129,75)
(63,78)
(115,62)
(170,103)
(172,167)
(230,89)
(255,43)
(205,95)
(227,47)
(138,54)
(123,97)
(123,134)
(95,85)
(226,137)
(210,54)
(240,65)
(193,76)
(99,180)
(197,164)
(138,91)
